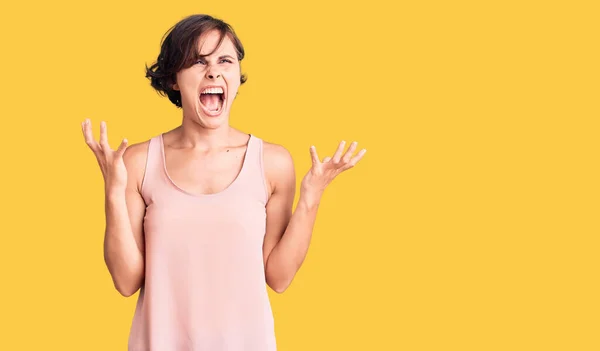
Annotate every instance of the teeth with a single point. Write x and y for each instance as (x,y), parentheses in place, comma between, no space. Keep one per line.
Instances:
(213,91)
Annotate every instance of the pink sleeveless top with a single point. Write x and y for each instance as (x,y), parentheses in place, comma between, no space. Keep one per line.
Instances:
(204,285)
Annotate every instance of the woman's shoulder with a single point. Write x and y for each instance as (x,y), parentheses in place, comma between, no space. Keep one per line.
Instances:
(274,153)
(136,153)
(135,159)
(278,164)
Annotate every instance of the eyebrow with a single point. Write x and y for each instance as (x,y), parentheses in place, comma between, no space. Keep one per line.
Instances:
(223,56)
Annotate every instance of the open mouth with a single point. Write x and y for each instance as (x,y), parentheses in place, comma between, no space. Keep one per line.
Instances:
(212,99)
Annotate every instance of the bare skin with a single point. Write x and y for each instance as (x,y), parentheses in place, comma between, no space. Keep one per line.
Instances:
(124,208)
(203,156)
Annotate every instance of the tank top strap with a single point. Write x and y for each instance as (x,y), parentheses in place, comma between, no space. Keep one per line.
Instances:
(154,169)
(254,174)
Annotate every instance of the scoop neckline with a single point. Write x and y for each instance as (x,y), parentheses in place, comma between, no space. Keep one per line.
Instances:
(231,185)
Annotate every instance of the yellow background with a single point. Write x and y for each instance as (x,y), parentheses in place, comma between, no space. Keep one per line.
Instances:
(471,223)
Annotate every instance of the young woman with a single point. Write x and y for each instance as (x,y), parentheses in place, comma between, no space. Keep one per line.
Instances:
(199,218)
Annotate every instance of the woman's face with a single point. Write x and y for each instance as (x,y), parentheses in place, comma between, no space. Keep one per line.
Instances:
(220,72)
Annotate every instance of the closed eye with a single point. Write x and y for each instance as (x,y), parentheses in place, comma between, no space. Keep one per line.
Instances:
(223,60)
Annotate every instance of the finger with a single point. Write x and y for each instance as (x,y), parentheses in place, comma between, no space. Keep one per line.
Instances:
(326,159)
(338,152)
(104,136)
(122,147)
(350,152)
(89,137)
(356,158)
(314,156)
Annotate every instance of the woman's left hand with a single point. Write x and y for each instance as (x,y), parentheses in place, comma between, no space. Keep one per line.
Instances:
(322,173)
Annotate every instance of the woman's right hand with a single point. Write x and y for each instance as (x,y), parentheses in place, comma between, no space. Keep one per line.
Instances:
(110,161)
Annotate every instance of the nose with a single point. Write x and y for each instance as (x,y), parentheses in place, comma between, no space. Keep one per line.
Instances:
(212,75)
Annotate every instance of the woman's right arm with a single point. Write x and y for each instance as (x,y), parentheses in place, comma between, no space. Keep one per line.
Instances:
(124,238)
(124,209)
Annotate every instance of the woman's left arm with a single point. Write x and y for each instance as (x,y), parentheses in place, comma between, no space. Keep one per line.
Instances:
(288,235)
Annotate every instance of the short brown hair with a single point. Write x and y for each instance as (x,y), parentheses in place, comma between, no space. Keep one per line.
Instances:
(179,51)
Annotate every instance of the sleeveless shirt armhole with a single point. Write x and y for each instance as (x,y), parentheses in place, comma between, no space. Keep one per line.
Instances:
(145,176)
(262,171)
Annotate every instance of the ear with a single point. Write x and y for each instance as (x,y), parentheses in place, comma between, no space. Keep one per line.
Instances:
(175,86)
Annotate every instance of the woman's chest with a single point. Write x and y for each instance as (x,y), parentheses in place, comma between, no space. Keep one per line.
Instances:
(235,219)
(204,175)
